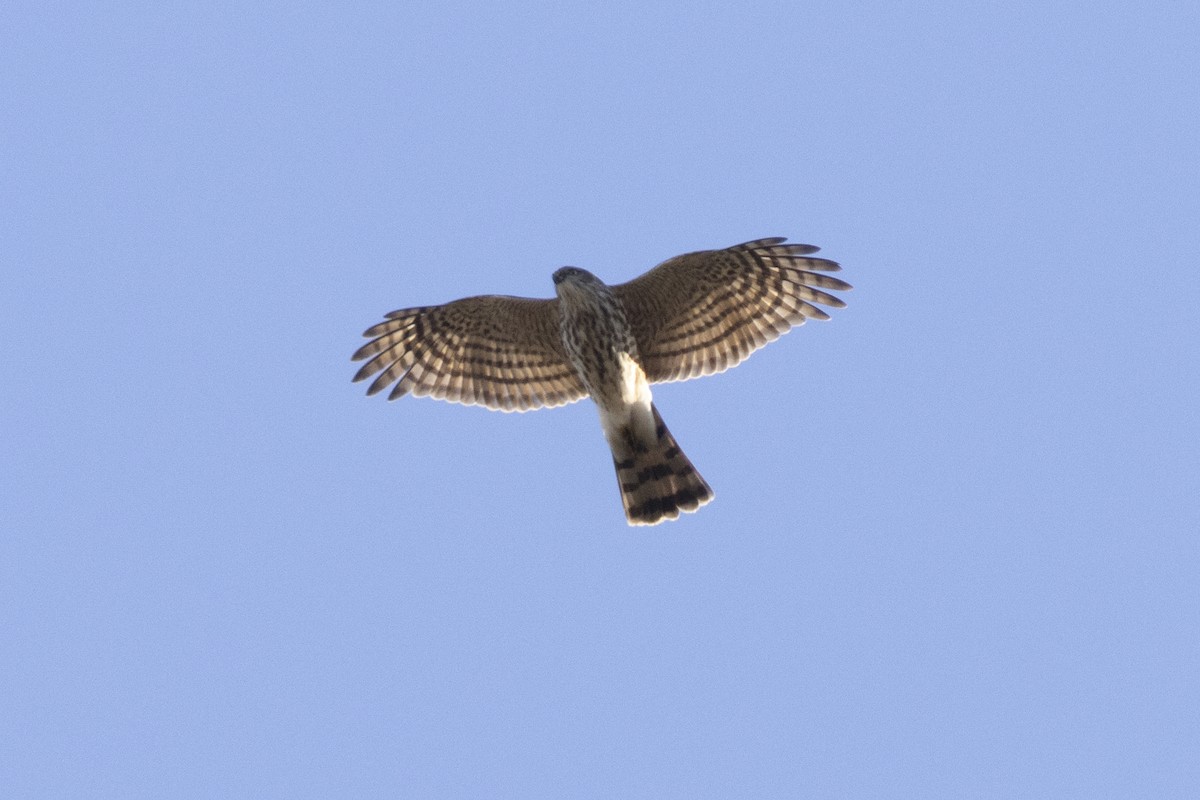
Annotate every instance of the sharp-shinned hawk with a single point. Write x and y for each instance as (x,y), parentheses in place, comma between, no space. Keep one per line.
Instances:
(692,315)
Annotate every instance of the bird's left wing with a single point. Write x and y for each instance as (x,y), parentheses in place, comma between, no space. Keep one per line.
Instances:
(504,353)
(701,313)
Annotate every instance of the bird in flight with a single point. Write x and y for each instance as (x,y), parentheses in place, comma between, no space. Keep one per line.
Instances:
(693,315)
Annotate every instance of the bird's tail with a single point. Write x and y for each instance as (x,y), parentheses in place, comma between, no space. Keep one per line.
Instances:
(657,480)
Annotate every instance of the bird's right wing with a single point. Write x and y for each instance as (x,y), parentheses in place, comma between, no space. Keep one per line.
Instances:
(704,312)
(504,353)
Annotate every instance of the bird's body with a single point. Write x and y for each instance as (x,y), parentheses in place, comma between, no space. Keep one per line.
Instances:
(656,479)
(692,315)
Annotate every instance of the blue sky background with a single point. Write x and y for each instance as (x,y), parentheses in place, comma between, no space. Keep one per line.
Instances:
(954,550)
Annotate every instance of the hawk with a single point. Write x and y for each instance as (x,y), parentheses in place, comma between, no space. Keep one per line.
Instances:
(692,315)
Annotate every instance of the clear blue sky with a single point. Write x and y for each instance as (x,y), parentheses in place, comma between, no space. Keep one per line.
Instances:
(954,549)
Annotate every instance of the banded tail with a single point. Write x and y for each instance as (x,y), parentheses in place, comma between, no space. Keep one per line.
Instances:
(657,480)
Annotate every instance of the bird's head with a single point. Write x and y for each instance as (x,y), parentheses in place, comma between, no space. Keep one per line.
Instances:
(569,278)
(572,274)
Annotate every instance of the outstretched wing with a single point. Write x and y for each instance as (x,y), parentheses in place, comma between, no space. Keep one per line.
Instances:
(701,313)
(501,352)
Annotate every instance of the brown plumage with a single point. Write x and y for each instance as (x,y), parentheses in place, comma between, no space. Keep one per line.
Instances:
(656,479)
(693,315)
